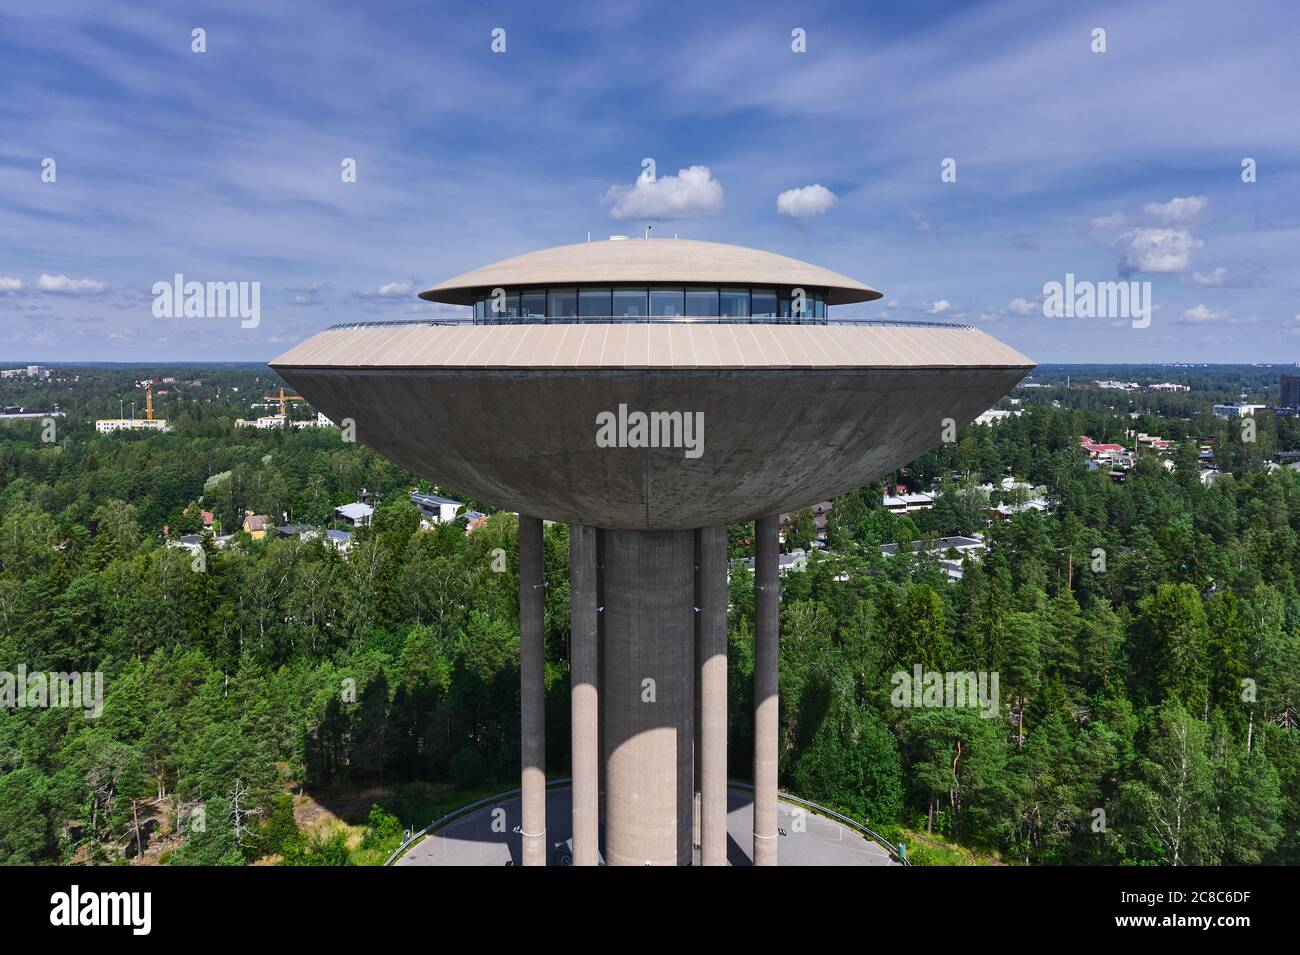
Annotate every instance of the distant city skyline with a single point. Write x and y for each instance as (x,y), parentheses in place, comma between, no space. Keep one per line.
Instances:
(229,165)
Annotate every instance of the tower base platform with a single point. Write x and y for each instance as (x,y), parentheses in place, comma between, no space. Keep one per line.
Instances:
(807,840)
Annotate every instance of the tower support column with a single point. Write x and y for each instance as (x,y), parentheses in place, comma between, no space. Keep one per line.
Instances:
(584,694)
(648,646)
(532,692)
(711,598)
(767,607)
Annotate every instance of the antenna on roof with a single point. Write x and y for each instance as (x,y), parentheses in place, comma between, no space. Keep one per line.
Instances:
(647,231)
(588,236)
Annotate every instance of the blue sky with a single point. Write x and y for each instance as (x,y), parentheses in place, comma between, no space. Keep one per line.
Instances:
(225,165)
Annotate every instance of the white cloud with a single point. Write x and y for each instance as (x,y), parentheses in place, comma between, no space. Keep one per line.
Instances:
(65,285)
(10,284)
(692,192)
(394,289)
(1024,306)
(1214,278)
(805,202)
(1156,250)
(918,223)
(1200,314)
(1181,210)
(938,308)
(1112,221)
(309,294)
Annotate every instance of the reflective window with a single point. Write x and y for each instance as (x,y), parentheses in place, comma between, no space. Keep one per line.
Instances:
(629,302)
(562,302)
(792,306)
(763,303)
(702,302)
(734,302)
(533,303)
(505,307)
(698,301)
(666,301)
(594,303)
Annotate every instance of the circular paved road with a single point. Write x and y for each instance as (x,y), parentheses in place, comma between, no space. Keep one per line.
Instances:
(490,836)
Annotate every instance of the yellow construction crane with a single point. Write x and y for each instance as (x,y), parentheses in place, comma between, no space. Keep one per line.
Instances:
(148,401)
(284,401)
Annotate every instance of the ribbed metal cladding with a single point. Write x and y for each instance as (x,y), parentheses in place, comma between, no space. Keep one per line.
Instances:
(532,692)
(649,636)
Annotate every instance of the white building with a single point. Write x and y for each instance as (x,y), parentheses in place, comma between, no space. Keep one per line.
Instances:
(795,562)
(190,542)
(965,546)
(263,423)
(356,513)
(341,541)
(906,503)
(1234,411)
(31,371)
(435,509)
(995,415)
(109,425)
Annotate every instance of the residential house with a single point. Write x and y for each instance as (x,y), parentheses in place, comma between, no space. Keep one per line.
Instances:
(355,514)
(255,525)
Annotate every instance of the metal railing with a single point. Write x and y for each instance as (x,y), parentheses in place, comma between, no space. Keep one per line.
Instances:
(654,320)
(895,852)
(457,813)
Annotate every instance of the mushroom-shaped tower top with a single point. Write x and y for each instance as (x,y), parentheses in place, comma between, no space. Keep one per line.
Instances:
(539,405)
(684,261)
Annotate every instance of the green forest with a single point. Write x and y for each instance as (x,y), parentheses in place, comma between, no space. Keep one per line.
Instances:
(1146,634)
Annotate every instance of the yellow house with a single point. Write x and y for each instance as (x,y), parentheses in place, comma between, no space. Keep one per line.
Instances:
(255,525)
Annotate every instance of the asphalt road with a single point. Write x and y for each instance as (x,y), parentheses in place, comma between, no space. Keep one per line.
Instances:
(490,836)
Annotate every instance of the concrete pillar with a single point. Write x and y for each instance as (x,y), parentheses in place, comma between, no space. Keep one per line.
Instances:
(584,694)
(532,692)
(600,663)
(649,662)
(711,597)
(767,607)
(697,746)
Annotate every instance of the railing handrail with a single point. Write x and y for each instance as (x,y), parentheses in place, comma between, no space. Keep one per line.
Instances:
(448,817)
(654,320)
(825,810)
(731,784)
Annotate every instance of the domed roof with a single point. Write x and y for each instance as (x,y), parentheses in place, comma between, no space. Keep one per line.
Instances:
(689,261)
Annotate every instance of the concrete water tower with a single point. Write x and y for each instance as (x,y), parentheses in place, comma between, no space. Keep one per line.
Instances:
(648,393)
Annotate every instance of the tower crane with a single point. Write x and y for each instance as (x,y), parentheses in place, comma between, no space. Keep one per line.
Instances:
(284,401)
